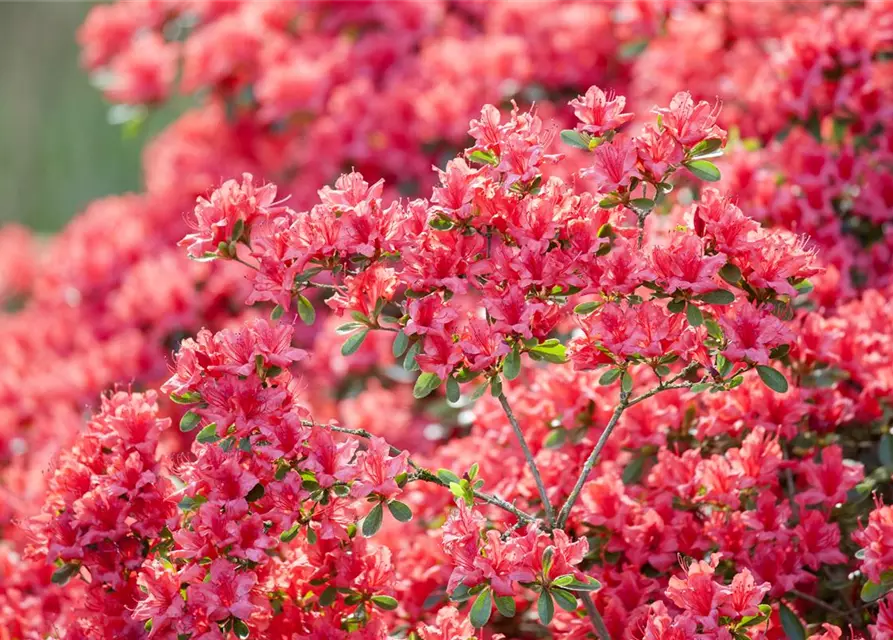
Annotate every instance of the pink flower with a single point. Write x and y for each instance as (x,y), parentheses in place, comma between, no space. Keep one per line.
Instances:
(691,123)
(600,112)
(684,265)
(226,593)
(378,468)
(744,596)
(613,165)
(752,332)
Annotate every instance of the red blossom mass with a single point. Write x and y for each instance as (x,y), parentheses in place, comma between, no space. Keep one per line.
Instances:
(440,320)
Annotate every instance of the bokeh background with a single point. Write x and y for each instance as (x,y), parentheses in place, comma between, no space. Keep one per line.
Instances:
(58,147)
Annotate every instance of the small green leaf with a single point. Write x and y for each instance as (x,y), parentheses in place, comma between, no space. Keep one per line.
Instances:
(240,628)
(189,421)
(511,367)
(772,378)
(545,608)
(694,315)
(704,169)
(385,602)
(872,591)
(626,382)
(400,511)
(548,559)
(555,439)
(551,351)
(208,434)
(452,390)
(277,312)
(425,384)
(730,273)
(718,296)
(609,377)
(483,157)
(447,476)
(565,599)
(256,493)
(306,310)
(676,306)
(372,521)
(401,342)
(65,573)
(190,397)
(506,606)
(348,327)
(591,584)
(327,597)
(707,148)
(561,581)
(585,308)
(481,609)
(632,472)
(353,343)
(642,205)
(495,386)
(791,624)
(291,533)
(575,139)
(409,363)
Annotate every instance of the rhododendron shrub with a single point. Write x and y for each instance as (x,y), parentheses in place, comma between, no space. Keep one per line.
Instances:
(561,384)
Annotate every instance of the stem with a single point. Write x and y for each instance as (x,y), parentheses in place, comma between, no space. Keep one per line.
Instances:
(547,506)
(818,602)
(597,623)
(425,475)
(590,461)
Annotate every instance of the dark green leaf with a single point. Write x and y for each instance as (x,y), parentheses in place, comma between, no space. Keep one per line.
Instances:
(707,148)
(885,450)
(626,382)
(791,624)
(385,602)
(353,343)
(447,476)
(704,169)
(327,597)
(495,386)
(277,312)
(452,389)
(425,384)
(694,315)
(642,205)
(401,342)
(189,421)
(730,273)
(481,609)
(575,139)
(240,629)
(591,584)
(676,306)
(772,378)
(718,296)
(208,434)
(400,511)
(409,362)
(306,310)
(65,573)
(511,368)
(506,606)
(632,472)
(565,599)
(545,608)
(256,493)
(609,377)
(372,521)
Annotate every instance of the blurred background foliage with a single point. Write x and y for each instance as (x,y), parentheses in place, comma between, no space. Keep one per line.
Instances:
(58,149)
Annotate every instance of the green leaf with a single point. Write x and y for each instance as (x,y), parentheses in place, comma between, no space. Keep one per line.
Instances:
(551,351)
(555,439)
(590,585)
(256,493)
(565,599)
(327,597)
(548,559)
(401,342)
(872,591)
(372,521)
(65,573)
(626,382)
(400,511)
(780,351)
(609,377)
(409,362)
(506,606)
(803,287)
(632,472)
(694,315)
(481,609)
(718,296)
(291,533)
(575,139)
(704,169)
(452,390)
(676,306)
(885,450)
(447,476)
(425,384)
(585,308)
(772,378)
(190,397)
(385,602)
(240,629)
(189,421)
(707,148)
(495,386)
(460,594)
(277,312)
(483,157)
(511,367)
(730,273)
(791,624)
(353,343)
(545,608)
(560,581)
(208,434)
(348,327)
(306,310)
(642,205)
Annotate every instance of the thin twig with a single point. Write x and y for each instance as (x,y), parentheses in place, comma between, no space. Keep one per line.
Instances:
(818,602)
(597,622)
(534,470)
(425,475)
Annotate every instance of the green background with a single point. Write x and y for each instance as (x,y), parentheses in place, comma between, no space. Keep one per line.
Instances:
(58,150)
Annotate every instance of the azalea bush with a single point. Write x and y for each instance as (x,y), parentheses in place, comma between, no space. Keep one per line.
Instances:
(451,320)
